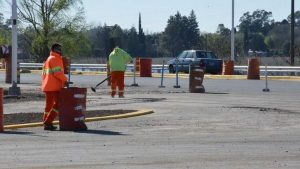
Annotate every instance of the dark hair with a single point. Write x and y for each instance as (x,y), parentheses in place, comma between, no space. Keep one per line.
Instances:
(56,47)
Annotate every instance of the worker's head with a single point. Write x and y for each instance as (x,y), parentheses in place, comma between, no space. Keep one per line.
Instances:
(56,47)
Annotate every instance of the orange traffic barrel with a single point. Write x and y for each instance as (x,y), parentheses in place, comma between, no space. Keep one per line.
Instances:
(137,64)
(228,67)
(145,67)
(196,79)
(253,69)
(1,111)
(71,106)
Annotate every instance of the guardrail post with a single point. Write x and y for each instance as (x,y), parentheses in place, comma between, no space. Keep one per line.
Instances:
(266,77)
(162,75)
(134,74)
(177,86)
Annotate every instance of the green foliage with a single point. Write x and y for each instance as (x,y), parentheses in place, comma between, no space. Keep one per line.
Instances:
(48,19)
(259,22)
(181,33)
(297,18)
(218,43)
(277,38)
(5,32)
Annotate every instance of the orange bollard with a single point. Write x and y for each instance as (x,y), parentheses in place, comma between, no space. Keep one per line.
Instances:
(1,110)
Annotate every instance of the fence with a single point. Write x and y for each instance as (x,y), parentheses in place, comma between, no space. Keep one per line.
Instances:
(156,68)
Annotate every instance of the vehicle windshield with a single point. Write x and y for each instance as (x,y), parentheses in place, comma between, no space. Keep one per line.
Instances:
(201,54)
(182,55)
(211,55)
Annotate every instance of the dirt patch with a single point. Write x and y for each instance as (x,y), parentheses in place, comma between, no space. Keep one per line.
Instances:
(22,118)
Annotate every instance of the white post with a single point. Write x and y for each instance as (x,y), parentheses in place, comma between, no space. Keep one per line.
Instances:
(14,42)
(232,33)
(266,77)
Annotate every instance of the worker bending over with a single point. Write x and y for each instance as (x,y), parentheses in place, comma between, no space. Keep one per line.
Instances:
(118,60)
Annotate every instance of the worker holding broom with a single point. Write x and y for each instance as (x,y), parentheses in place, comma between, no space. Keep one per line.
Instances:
(53,80)
(118,59)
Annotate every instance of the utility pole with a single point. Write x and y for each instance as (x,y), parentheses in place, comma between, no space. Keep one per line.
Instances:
(292,48)
(14,90)
(232,33)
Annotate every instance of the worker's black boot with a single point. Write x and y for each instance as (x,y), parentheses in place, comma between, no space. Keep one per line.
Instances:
(49,127)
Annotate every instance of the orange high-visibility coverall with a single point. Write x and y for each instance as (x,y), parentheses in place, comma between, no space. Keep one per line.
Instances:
(53,80)
(118,59)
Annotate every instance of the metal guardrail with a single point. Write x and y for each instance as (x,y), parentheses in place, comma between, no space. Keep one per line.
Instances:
(86,67)
(272,70)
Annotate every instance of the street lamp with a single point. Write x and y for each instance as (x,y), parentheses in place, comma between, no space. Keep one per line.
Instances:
(232,33)
(292,47)
(14,90)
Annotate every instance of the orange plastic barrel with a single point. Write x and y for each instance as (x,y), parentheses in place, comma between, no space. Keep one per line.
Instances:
(145,67)
(228,67)
(196,79)
(71,106)
(1,111)
(137,64)
(253,69)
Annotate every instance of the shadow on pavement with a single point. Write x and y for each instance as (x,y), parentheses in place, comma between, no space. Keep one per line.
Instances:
(101,132)
(214,93)
(18,132)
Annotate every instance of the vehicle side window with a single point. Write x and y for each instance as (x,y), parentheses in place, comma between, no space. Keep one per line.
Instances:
(190,55)
(211,55)
(200,54)
(182,55)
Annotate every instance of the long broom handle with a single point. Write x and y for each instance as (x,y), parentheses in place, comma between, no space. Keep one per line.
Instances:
(102,81)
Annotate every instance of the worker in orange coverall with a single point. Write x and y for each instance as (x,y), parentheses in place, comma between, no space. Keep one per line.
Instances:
(118,60)
(53,80)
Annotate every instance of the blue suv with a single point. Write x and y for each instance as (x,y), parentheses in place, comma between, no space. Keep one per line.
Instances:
(206,59)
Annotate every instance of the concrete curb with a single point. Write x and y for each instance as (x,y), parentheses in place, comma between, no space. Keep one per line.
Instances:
(91,119)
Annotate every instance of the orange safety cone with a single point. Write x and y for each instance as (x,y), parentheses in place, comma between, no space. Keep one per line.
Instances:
(1,110)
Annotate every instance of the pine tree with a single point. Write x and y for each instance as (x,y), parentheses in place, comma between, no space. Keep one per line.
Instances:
(142,43)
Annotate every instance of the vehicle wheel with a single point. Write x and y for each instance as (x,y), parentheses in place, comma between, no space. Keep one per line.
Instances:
(171,69)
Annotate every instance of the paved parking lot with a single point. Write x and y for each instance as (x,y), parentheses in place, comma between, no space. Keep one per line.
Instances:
(233,125)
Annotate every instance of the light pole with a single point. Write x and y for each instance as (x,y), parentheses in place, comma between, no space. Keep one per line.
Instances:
(292,48)
(14,90)
(232,33)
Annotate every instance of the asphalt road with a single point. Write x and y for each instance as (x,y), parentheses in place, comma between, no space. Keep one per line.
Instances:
(233,125)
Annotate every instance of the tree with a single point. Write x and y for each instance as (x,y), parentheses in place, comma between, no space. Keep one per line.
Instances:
(258,22)
(180,34)
(218,43)
(133,39)
(5,31)
(297,18)
(141,36)
(222,30)
(193,32)
(47,18)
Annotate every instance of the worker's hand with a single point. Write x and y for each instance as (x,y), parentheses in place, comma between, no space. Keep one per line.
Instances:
(67,84)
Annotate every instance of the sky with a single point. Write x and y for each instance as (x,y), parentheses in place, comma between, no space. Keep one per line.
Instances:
(155,13)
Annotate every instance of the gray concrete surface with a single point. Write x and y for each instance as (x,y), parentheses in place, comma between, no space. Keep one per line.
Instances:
(233,126)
